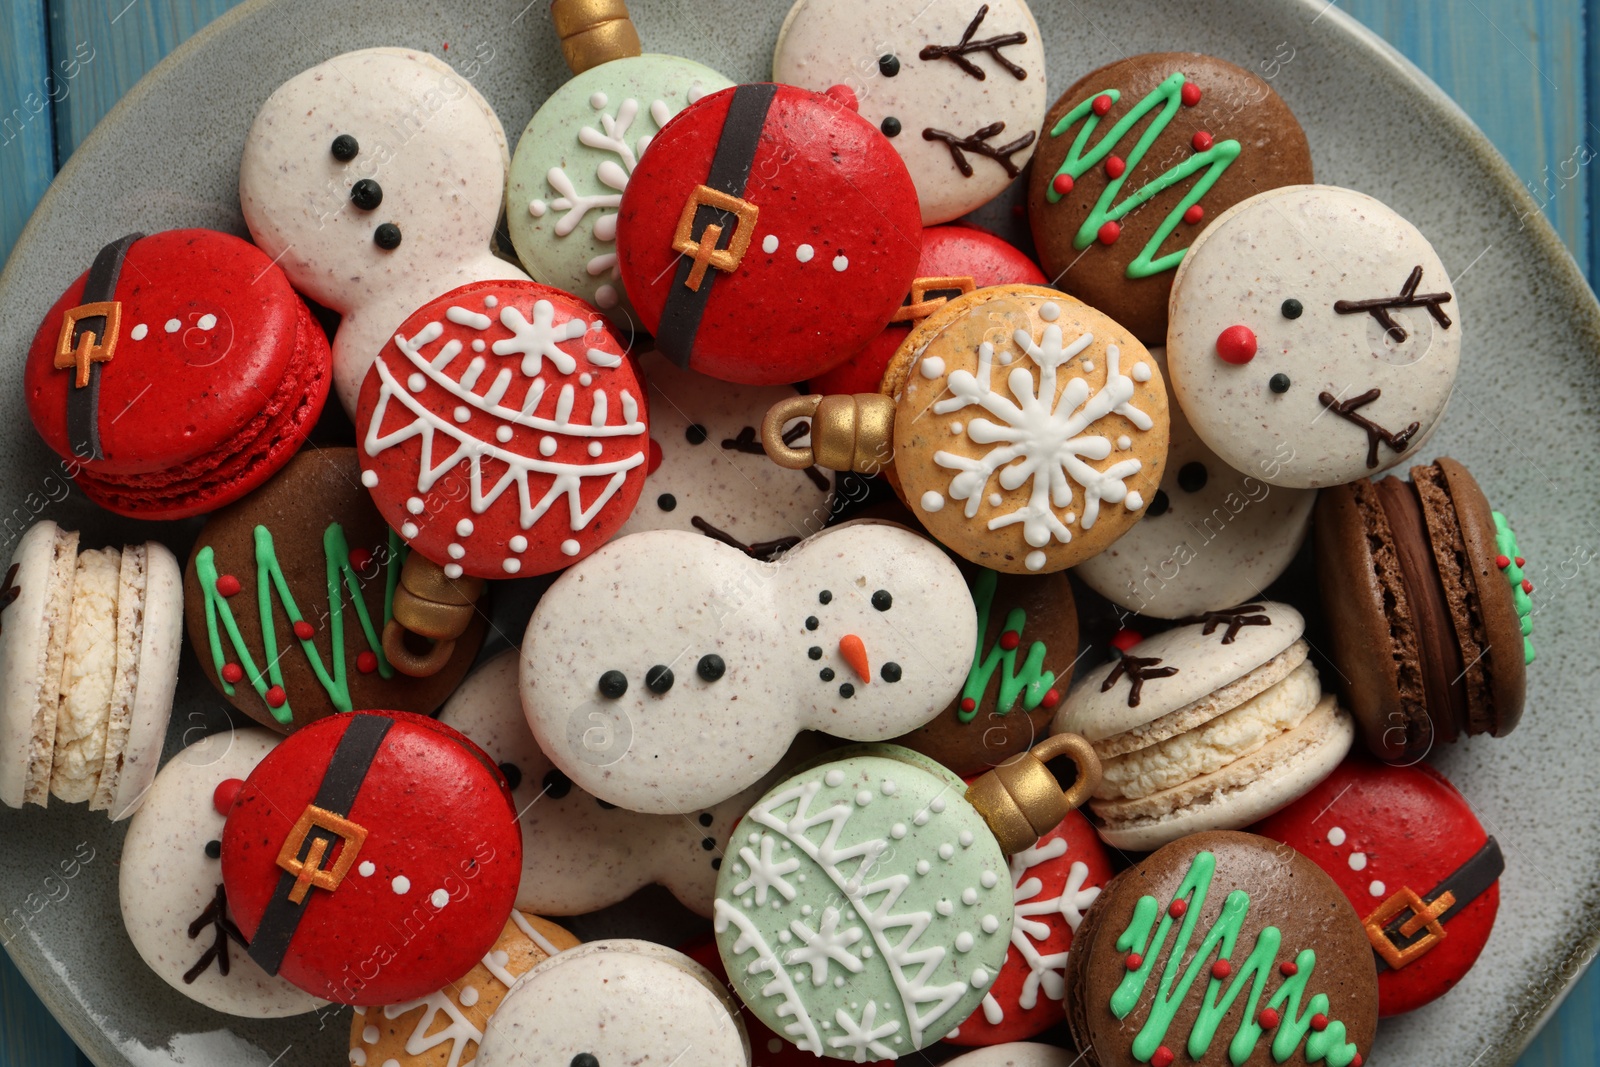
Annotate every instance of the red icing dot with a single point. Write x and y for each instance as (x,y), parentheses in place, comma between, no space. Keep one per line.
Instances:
(1194,214)
(1527,586)
(226,793)
(1109,233)
(360,558)
(1134,961)
(1502,562)
(1319,1021)
(1202,141)
(1357,1061)
(367,662)
(1062,184)
(1221,969)
(1189,94)
(1115,166)
(304,630)
(1162,1057)
(1521,562)
(227,585)
(1288,968)
(655,457)
(1268,1019)
(844,95)
(1177,908)
(1126,639)
(1010,639)
(1051,699)
(232,673)
(276,697)
(1102,104)
(968,704)
(1236,344)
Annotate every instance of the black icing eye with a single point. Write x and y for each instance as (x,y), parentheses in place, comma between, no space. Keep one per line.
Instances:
(666,501)
(556,785)
(826,674)
(825,597)
(387,237)
(345,148)
(847,690)
(1278,383)
(613,684)
(366,194)
(815,651)
(711,667)
(889,672)
(882,600)
(890,126)
(214,849)
(1192,477)
(1158,505)
(513,774)
(811,622)
(1293,309)
(658,679)
(889,65)
(585,1059)
(708,843)
(706,818)
(716,863)
(696,434)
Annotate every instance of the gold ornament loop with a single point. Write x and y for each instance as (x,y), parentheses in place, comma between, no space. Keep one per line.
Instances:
(432,605)
(1021,799)
(593,32)
(778,450)
(848,432)
(411,663)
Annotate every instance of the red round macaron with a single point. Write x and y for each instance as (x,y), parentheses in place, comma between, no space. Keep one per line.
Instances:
(502,430)
(1380,830)
(955,258)
(410,882)
(203,382)
(820,231)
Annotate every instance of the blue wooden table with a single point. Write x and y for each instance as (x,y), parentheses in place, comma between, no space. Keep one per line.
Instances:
(1527,71)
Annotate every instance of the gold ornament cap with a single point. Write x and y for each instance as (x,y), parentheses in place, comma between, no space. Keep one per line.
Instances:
(430,605)
(593,32)
(1021,800)
(848,432)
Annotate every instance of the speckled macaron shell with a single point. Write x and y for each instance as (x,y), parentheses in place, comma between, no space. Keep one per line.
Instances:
(1315,245)
(574,159)
(1212,537)
(33,624)
(138,729)
(409,1034)
(841,873)
(1018,1054)
(168,880)
(708,472)
(993,461)
(617,1002)
(863,631)
(895,57)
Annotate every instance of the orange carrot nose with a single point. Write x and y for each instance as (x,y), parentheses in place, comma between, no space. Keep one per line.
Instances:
(854,652)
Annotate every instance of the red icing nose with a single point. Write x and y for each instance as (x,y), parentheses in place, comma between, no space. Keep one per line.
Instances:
(1236,344)
(844,95)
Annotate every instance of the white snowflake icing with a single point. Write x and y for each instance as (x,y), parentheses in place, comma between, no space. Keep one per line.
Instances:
(766,872)
(824,944)
(536,341)
(1041,438)
(860,1040)
(460,1032)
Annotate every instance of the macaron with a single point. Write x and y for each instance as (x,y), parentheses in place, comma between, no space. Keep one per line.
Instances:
(817,233)
(1017,1054)
(89,645)
(177,373)
(1315,336)
(1428,609)
(1136,159)
(410,1035)
(287,593)
(372,857)
(617,1002)
(1222,949)
(958,88)
(1409,853)
(1208,726)
(1211,537)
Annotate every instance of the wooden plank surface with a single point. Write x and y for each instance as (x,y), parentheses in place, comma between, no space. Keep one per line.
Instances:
(1527,71)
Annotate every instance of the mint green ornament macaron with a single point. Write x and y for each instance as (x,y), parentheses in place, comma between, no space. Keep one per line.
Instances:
(574,161)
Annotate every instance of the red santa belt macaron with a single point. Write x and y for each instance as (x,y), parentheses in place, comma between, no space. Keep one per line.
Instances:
(88,339)
(1406,926)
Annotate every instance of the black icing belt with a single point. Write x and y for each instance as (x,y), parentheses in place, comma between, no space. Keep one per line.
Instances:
(347,769)
(730,170)
(1467,882)
(83,405)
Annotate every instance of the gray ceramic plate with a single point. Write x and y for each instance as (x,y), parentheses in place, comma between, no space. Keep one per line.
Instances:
(1525,418)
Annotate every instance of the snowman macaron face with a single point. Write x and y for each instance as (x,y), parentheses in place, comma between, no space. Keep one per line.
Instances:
(1314,337)
(667,671)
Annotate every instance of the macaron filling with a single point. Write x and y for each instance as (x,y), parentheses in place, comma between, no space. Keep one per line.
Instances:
(88,677)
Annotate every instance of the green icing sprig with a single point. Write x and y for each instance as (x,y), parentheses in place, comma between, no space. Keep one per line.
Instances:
(1511,564)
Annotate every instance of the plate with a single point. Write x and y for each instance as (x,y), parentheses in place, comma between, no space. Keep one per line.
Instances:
(1523,418)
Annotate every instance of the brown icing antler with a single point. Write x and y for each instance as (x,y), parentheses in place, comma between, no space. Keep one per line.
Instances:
(1139,670)
(978,143)
(215,916)
(1234,619)
(957,53)
(1349,410)
(1379,307)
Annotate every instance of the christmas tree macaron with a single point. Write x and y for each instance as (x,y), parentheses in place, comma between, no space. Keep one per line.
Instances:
(1219,950)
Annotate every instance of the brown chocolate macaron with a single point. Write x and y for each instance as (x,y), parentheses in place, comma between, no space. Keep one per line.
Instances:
(1427,609)
(311,542)
(1134,160)
(1021,669)
(1222,949)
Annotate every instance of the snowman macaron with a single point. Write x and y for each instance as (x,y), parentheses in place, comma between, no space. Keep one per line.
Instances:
(1314,338)
(375,180)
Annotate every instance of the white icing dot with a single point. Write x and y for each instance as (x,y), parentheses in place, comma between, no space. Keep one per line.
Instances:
(469,996)
(401,884)
(989,923)
(1070,517)
(1135,501)
(455,550)
(966,839)
(755,839)
(1141,371)
(769,243)
(391,1063)
(439,899)
(502,434)
(607,296)
(408,530)
(932,501)
(139,331)
(547,446)
(840,263)
(478,345)
(369,478)
(785,936)
(834,777)
(585,379)
(1088,365)
(414,505)
(921,819)
(1377,889)
(1006,358)
(519,543)
(944,907)
(969,896)
(932,367)
(416,383)
(955,428)
(500,958)
(864,798)
(464,528)
(569,547)
(598,101)
(963,942)
(453,570)
(461,414)
(980,978)
(887,787)
(511,564)
(491,301)
(988,879)
(804,253)
(207,322)
(1034,560)
(1049,311)
(173,326)
(1336,836)
(358,1056)
(1124,443)
(367,868)
(897,831)
(1358,861)
(370,1035)
(946,851)
(805,909)
(537,208)
(995,500)
(594,448)
(936,805)
(923,867)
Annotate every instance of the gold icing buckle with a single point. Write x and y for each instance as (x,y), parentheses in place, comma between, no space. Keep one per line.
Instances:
(1424,915)
(919,306)
(89,349)
(309,872)
(705,252)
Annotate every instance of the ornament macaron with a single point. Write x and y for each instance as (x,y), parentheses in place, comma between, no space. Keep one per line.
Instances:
(1408,851)
(372,857)
(1208,726)
(1218,950)
(89,646)
(178,373)
(1428,607)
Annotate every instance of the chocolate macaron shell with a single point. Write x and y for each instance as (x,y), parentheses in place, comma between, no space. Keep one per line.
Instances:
(1298,941)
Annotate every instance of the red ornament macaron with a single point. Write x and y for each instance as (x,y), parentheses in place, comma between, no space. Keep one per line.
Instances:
(177,374)
(372,857)
(768,235)
(503,430)
(1407,851)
